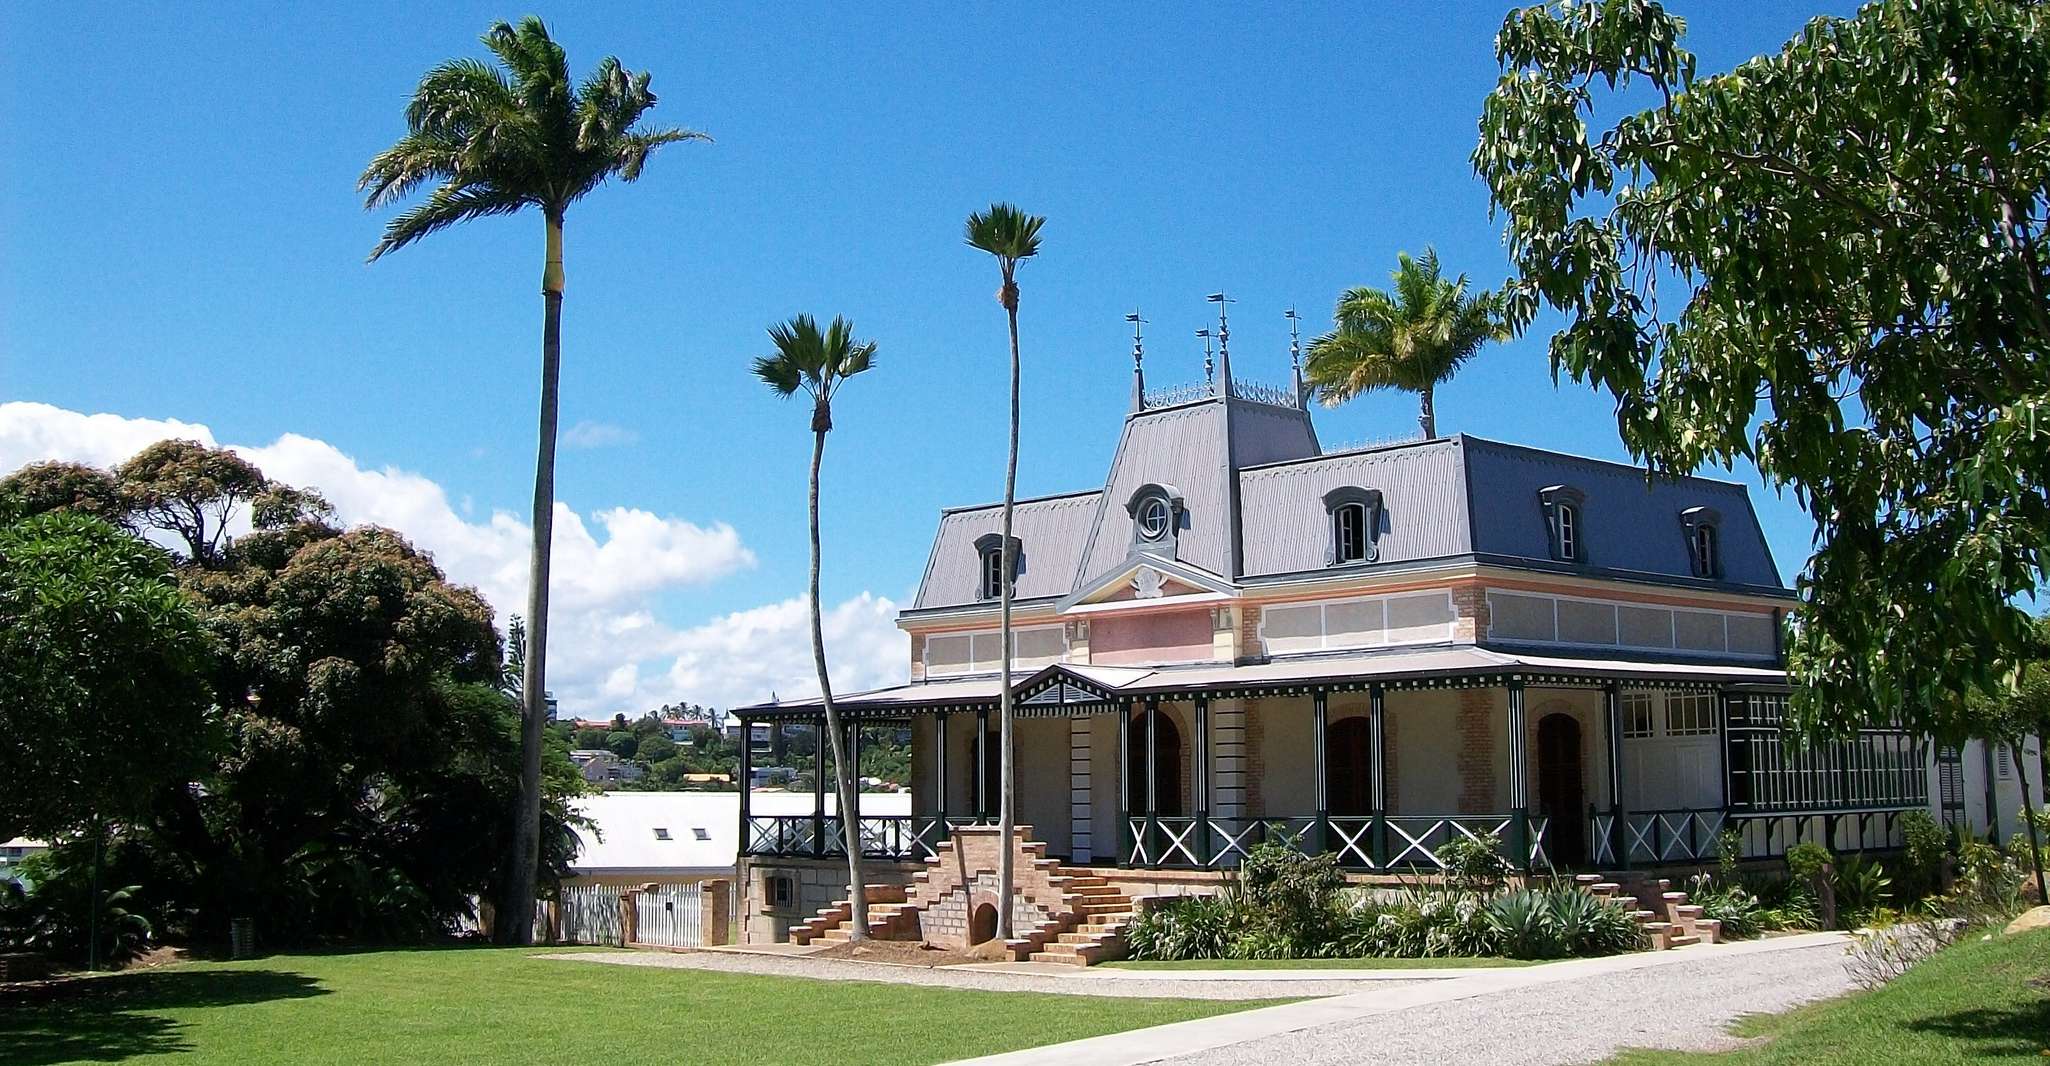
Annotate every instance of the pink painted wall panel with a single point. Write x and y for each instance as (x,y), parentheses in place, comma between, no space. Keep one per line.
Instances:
(1177,637)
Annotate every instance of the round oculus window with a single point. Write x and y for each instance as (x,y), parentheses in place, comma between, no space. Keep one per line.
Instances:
(1153,518)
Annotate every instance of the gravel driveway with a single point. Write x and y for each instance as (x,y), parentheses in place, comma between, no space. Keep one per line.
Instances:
(1585,1019)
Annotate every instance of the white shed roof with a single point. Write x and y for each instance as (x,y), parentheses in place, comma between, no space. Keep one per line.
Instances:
(624,840)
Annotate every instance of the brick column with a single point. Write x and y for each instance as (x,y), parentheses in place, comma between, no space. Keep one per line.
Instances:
(1228,726)
(1081,837)
(718,912)
(1476,722)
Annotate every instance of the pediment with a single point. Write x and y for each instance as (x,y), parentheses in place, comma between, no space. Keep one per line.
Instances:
(1143,579)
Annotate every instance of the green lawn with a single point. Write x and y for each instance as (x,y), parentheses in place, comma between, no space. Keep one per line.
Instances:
(484,1005)
(1979,1001)
(1317,964)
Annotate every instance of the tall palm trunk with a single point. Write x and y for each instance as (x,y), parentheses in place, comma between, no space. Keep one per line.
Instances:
(2021,773)
(516,918)
(843,775)
(1427,413)
(1007,811)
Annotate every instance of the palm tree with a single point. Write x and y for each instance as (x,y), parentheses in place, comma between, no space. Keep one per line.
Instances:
(497,140)
(1011,236)
(1412,339)
(819,363)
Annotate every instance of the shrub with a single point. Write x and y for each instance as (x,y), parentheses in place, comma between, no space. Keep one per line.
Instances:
(52,917)
(1589,926)
(1475,864)
(1191,927)
(1793,907)
(1807,860)
(1528,927)
(1926,854)
(1989,878)
(1729,851)
(1861,887)
(1289,898)
(1735,907)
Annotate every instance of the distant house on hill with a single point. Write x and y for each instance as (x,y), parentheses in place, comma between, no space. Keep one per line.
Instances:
(11,854)
(601,767)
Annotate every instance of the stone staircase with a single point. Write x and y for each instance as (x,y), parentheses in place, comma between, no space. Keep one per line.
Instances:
(829,925)
(1059,915)
(1096,933)
(1666,917)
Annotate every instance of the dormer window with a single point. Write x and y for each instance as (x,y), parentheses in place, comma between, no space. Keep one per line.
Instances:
(1156,512)
(990,574)
(1355,525)
(1704,550)
(1565,525)
(1704,541)
(1349,533)
(1154,516)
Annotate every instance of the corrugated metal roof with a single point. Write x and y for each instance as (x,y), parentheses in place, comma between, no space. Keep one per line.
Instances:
(1419,663)
(1178,446)
(624,838)
(1628,522)
(1423,506)
(1051,533)
(1441,499)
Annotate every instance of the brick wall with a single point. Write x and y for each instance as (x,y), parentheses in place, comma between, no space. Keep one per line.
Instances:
(1476,725)
(1470,610)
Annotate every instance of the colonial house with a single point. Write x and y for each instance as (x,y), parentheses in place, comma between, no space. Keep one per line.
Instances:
(1366,652)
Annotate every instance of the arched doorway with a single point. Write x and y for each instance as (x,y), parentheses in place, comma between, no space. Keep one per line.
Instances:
(1167,763)
(1349,767)
(991,753)
(982,924)
(1561,795)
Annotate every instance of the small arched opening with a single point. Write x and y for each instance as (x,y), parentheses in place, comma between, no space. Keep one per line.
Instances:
(982,924)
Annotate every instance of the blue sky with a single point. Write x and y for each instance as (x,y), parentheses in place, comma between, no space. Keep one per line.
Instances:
(182,240)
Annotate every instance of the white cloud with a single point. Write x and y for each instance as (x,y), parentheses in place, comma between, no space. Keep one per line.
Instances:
(589,434)
(610,649)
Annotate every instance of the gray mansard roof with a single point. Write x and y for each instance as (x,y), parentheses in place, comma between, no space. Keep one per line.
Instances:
(1450,499)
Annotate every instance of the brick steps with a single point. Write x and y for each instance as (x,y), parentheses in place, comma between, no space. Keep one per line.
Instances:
(1666,917)
(1084,916)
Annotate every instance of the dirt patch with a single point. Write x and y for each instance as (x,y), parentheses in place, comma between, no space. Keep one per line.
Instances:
(902,952)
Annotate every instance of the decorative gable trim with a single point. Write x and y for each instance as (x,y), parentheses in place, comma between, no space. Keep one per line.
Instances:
(1094,592)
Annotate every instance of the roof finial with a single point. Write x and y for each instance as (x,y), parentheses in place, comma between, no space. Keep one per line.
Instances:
(1209,351)
(1223,339)
(1138,361)
(1295,355)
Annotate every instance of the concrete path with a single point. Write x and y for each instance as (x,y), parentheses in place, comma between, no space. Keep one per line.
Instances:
(1569,1012)
(1062,980)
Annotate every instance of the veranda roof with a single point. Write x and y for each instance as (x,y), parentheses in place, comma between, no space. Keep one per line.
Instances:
(1069,688)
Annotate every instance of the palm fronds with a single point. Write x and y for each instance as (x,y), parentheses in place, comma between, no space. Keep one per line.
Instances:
(493,139)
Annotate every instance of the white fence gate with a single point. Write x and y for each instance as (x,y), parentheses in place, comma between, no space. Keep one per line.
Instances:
(671,916)
(590,915)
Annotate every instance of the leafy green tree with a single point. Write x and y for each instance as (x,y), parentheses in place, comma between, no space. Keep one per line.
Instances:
(587,739)
(1828,261)
(192,491)
(103,676)
(103,689)
(496,141)
(819,363)
(655,748)
(41,487)
(1413,338)
(622,743)
(1010,236)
